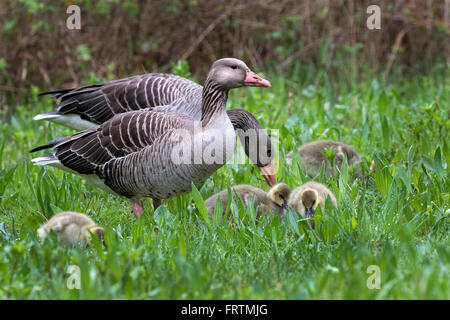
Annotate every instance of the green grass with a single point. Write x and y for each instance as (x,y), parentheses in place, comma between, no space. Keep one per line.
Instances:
(396,219)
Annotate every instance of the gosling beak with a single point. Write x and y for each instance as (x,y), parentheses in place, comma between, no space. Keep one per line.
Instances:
(285,205)
(267,173)
(309,213)
(252,79)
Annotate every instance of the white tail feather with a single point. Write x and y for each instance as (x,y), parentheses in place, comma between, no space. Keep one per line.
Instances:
(44,116)
(50,160)
(72,121)
(41,161)
(90,178)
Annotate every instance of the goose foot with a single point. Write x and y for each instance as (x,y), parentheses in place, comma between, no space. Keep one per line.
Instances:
(137,209)
(156,203)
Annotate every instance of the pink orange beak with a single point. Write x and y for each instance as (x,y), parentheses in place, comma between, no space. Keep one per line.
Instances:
(267,173)
(252,79)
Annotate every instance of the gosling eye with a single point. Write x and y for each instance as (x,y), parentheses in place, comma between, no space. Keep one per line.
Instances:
(314,201)
(234,67)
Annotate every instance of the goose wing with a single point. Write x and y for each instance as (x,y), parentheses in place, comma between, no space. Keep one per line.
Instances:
(98,103)
(124,134)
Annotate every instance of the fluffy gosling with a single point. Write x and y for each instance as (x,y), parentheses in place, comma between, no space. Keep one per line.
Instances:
(312,156)
(306,198)
(72,228)
(275,200)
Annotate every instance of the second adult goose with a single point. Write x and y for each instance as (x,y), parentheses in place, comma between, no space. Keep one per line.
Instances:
(85,107)
(157,154)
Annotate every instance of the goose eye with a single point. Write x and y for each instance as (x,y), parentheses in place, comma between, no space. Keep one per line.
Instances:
(233,67)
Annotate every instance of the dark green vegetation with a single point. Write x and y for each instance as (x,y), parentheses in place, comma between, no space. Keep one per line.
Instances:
(396,219)
(119,38)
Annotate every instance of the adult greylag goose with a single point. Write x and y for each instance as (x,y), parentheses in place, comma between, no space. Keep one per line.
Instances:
(275,200)
(306,198)
(313,155)
(71,228)
(85,107)
(155,154)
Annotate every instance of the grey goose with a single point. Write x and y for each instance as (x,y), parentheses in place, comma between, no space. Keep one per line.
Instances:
(142,153)
(85,107)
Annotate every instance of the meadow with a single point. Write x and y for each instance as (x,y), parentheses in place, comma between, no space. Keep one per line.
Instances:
(396,218)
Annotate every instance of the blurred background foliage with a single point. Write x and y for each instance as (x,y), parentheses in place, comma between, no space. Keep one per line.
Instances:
(122,38)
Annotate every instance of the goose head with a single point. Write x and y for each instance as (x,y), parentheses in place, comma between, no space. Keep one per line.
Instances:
(260,152)
(256,142)
(233,73)
(279,194)
(264,157)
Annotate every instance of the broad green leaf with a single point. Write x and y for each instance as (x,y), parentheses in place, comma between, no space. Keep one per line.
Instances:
(199,203)
(383,180)
(446,154)
(293,220)
(354,223)
(438,163)
(382,103)
(218,211)
(182,245)
(405,178)
(385,131)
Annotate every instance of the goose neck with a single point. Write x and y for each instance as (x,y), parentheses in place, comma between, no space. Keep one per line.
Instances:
(214,100)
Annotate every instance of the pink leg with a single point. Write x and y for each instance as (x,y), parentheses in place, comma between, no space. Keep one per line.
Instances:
(138,209)
(156,203)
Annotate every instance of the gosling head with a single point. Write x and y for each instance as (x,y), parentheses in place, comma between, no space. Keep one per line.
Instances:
(99,232)
(234,73)
(279,194)
(309,200)
(352,156)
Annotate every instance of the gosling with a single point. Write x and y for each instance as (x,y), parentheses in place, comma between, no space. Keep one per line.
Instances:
(312,156)
(72,228)
(306,198)
(275,200)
